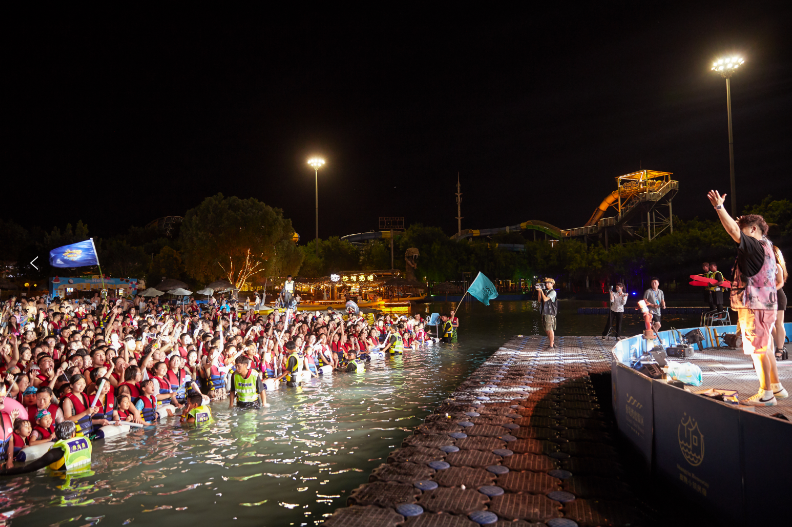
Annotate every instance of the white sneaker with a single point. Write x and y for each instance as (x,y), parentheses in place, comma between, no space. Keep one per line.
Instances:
(781,394)
(759,400)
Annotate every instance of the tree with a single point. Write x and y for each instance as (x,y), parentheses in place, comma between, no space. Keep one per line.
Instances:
(121,259)
(167,264)
(375,256)
(235,239)
(776,211)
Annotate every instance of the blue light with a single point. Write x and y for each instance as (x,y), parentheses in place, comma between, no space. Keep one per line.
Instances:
(634,293)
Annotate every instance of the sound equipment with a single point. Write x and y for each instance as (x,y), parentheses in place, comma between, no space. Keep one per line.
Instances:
(732,340)
(680,352)
(651,370)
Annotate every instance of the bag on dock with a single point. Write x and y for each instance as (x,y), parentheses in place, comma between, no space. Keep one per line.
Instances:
(685,372)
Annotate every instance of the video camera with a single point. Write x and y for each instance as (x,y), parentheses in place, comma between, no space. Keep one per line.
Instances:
(541,286)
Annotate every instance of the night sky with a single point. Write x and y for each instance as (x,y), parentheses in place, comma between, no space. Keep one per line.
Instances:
(120,122)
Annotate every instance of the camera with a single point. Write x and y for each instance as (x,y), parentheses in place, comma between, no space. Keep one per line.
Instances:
(540,286)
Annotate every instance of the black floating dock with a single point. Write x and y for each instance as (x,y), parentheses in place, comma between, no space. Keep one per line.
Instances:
(523,442)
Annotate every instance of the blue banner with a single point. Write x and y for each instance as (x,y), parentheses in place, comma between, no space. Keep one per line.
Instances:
(483,290)
(80,254)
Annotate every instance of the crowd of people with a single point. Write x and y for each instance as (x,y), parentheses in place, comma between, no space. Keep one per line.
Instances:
(99,362)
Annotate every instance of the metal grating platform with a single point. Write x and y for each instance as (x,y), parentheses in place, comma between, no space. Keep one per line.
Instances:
(730,369)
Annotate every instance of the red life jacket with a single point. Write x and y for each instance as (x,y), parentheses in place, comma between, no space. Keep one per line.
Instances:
(134,390)
(80,405)
(45,433)
(19,442)
(107,408)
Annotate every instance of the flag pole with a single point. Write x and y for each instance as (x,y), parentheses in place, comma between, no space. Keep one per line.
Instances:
(460,302)
(98,264)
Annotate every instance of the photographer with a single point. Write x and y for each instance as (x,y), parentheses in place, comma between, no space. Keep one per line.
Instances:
(617,300)
(548,307)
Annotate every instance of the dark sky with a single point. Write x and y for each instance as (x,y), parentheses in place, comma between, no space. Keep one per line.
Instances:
(120,122)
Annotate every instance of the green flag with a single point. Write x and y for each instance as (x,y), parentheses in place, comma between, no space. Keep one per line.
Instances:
(483,290)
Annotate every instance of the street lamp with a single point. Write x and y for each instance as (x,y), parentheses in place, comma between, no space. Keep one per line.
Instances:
(316,162)
(726,67)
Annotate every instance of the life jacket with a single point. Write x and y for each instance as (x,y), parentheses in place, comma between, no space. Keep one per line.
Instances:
(19,443)
(177,384)
(217,380)
(717,275)
(355,366)
(123,414)
(291,375)
(398,345)
(5,434)
(201,414)
(106,410)
(45,433)
(76,453)
(756,292)
(311,364)
(149,412)
(245,387)
(134,390)
(448,328)
(164,385)
(85,424)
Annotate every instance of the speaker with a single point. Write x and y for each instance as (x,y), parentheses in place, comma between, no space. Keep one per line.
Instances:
(680,352)
(733,340)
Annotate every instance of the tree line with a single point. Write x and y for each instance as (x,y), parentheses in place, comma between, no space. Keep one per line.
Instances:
(247,241)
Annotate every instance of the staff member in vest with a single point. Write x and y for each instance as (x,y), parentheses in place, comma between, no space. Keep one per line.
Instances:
(716,290)
(246,386)
(394,343)
(708,296)
(290,373)
(288,291)
(655,300)
(753,296)
(68,453)
(548,308)
(454,324)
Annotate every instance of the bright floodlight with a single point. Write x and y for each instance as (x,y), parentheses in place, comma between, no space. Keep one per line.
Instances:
(316,162)
(727,65)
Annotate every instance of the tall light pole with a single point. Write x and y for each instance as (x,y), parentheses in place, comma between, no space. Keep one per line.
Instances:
(316,162)
(726,67)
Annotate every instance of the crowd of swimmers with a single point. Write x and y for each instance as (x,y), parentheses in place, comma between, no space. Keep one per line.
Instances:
(104,362)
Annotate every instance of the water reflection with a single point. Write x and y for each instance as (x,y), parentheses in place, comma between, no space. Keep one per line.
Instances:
(292,464)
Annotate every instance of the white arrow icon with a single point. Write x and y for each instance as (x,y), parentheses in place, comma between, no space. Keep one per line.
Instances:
(34,265)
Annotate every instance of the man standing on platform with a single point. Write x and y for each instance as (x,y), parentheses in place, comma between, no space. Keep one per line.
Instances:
(548,303)
(717,290)
(708,296)
(616,312)
(288,291)
(753,296)
(655,300)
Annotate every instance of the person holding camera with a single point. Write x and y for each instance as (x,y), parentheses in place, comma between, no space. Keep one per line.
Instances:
(616,313)
(548,307)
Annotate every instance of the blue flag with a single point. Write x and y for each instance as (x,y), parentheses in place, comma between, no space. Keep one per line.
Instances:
(483,290)
(80,254)
(434,320)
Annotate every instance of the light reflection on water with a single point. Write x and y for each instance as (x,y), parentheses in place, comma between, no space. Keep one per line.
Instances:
(292,464)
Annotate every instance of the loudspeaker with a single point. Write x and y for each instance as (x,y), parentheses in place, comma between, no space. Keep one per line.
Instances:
(680,352)
(733,340)
(651,370)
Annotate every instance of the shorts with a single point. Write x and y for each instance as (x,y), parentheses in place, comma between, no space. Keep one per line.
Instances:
(782,300)
(549,322)
(655,318)
(248,405)
(756,327)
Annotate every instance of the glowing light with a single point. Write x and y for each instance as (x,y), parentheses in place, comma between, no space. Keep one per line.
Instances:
(725,66)
(335,277)
(316,162)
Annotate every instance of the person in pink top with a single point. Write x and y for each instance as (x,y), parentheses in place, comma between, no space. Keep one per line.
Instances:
(754,297)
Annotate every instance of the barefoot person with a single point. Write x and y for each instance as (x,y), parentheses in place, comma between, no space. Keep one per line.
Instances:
(655,299)
(754,297)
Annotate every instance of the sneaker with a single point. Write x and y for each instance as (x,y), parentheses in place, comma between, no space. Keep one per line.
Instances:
(759,400)
(781,394)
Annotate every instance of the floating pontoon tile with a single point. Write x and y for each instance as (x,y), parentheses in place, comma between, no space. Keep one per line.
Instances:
(364,517)
(561,496)
(383,494)
(560,474)
(498,469)
(453,500)
(439,465)
(529,507)
(409,509)
(491,490)
(425,484)
(483,517)
(458,435)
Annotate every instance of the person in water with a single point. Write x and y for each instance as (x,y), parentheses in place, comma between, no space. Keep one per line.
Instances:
(247,387)
(196,412)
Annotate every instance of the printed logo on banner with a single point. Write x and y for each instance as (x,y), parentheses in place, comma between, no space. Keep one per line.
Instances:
(691,440)
(634,418)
